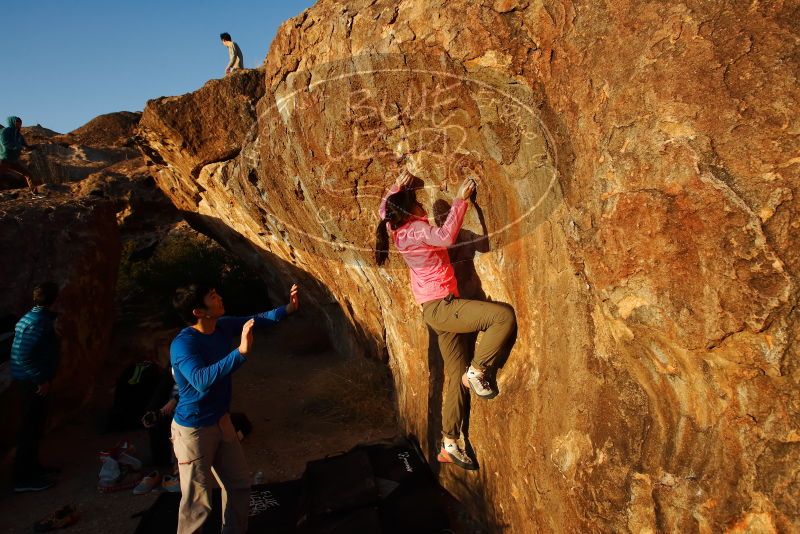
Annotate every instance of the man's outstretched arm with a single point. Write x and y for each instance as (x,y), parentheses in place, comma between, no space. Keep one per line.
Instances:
(233,324)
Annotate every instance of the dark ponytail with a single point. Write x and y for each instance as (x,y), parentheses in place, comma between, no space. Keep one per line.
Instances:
(382,242)
(399,208)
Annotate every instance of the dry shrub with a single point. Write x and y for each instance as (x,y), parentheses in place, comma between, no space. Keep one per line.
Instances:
(149,280)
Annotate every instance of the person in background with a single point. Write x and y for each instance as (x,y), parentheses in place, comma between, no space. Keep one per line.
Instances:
(34,361)
(235,59)
(203,435)
(158,421)
(11,144)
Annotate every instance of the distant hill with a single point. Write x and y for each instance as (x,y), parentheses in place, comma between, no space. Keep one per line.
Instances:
(111,129)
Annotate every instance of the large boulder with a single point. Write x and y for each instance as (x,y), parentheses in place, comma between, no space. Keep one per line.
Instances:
(638,196)
(73,241)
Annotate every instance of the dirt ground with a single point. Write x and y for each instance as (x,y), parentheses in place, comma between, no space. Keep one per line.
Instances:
(292,391)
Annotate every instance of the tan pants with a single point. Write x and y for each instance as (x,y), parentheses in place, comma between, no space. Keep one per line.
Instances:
(201,452)
(451,318)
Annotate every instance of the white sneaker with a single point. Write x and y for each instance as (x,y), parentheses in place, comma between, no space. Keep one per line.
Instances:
(451,453)
(475,380)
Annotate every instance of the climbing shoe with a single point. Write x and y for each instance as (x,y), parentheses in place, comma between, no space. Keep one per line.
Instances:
(451,453)
(477,382)
(148,483)
(62,518)
(171,484)
(39,483)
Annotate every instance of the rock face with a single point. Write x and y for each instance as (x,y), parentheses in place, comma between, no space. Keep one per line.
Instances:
(98,145)
(75,243)
(97,190)
(638,171)
(102,159)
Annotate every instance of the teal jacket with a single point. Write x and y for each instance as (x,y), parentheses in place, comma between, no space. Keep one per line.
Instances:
(34,352)
(11,140)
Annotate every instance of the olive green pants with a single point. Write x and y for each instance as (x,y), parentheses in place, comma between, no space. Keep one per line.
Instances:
(452,318)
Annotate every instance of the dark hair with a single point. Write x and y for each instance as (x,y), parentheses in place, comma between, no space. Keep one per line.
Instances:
(189,298)
(399,207)
(225,36)
(45,294)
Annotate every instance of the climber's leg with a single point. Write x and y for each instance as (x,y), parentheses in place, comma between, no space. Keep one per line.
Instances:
(460,316)
(454,397)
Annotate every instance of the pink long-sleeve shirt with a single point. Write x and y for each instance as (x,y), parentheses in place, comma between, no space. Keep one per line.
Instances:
(424,249)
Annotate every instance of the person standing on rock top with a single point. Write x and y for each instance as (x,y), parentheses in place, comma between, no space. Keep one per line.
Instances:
(11,145)
(435,289)
(203,435)
(235,59)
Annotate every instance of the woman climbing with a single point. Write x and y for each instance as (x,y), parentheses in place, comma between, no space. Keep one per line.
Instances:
(433,283)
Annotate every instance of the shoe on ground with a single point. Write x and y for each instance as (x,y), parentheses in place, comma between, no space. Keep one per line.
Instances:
(39,483)
(124,482)
(110,471)
(171,484)
(451,453)
(126,459)
(148,483)
(117,450)
(62,518)
(116,477)
(123,454)
(477,382)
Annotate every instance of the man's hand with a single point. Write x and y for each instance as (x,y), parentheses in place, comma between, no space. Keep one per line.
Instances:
(294,299)
(467,188)
(404,180)
(168,408)
(247,337)
(43,389)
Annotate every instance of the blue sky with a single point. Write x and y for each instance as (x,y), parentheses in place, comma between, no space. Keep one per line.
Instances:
(65,62)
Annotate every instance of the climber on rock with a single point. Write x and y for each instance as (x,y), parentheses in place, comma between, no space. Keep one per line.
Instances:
(434,286)
(11,145)
(235,59)
(203,436)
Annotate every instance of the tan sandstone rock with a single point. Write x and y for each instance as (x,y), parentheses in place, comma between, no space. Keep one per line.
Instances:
(637,167)
(103,142)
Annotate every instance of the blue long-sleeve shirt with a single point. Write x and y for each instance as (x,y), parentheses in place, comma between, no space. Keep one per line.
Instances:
(34,352)
(203,363)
